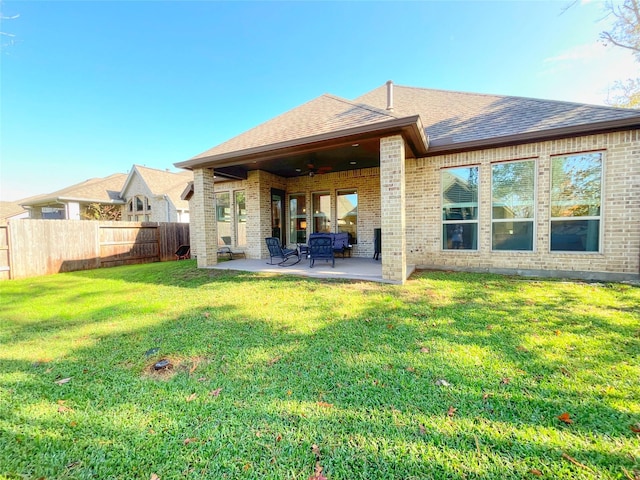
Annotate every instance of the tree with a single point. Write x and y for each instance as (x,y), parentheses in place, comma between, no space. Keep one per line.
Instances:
(625,33)
(101,211)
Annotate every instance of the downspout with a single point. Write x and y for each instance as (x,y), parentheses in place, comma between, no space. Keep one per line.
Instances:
(166,199)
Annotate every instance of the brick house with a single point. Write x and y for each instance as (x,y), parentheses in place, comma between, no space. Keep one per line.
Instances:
(152,195)
(455,181)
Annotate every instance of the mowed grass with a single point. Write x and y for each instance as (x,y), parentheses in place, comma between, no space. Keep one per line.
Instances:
(450,376)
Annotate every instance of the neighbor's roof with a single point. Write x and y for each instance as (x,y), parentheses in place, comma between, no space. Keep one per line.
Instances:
(94,190)
(10,209)
(452,121)
(161,182)
(456,119)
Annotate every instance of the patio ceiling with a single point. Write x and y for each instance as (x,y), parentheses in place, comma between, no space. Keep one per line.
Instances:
(327,153)
(363,154)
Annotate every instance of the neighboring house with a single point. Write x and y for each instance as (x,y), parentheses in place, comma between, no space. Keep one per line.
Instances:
(143,195)
(12,211)
(152,195)
(456,181)
(71,203)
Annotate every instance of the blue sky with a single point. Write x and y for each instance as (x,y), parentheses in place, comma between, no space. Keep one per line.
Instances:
(90,88)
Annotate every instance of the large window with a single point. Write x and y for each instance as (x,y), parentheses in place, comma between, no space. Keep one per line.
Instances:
(513,205)
(241,217)
(223,218)
(576,185)
(347,213)
(321,213)
(460,208)
(139,209)
(297,218)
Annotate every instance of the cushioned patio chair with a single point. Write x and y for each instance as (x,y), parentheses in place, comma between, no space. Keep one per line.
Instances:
(285,254)
(183,252)
(321,248)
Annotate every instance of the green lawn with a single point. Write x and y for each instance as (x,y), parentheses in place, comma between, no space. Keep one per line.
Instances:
(450,376)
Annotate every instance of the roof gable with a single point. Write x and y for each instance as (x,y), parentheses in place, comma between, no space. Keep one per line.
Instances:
(324,114)
(160,182)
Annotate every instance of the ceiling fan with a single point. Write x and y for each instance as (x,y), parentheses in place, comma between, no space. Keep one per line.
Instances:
(313,170)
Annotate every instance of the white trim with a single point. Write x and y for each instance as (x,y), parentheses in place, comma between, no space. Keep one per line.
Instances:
(519,219)
(599,218)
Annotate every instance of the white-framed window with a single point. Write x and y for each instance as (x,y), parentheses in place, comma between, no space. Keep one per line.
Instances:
(139,209)
(576,202)
(513,200)
(347,213)
(223,217)
(321,212)
(459,187)
(240,205)
(297,218)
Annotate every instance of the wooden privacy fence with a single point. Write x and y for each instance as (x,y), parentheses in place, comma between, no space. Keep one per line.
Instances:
(40,247)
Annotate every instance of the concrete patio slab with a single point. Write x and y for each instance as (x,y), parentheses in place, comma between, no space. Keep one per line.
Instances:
(366,269)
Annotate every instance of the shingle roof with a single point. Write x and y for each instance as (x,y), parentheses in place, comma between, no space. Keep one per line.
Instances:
(324,114)
(10,209)
(162,182)
(103,190)
(450,119)
(456,117)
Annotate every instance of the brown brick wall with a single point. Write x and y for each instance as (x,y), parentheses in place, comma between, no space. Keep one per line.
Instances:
(620,251)
(620,241)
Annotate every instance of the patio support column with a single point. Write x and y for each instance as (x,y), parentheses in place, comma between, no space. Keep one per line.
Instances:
(258,207)
(203,219)
(392,214)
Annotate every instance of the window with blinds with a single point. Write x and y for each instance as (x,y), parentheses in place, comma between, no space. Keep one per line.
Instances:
(460,208)
(513,186)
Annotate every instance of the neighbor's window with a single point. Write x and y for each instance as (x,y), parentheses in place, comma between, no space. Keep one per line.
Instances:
(223,218)
(460,208)
(513,205)
(321,212)
(297,218)
(241,217)
(139,208)
(576,189)
(347,213)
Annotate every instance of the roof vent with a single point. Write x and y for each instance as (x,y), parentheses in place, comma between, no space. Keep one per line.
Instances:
(390,95)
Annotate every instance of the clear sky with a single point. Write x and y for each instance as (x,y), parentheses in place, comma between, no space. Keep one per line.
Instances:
(90,88)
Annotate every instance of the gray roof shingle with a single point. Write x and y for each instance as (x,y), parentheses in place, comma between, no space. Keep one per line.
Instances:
(324,114)
(455,117)
(450,119)
(103,190)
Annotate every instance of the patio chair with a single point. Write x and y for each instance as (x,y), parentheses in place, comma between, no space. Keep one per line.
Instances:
(277,251)
(183,252)
(321,248)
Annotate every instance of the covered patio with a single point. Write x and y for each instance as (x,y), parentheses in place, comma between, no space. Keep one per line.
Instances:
(362,269)
(343,172)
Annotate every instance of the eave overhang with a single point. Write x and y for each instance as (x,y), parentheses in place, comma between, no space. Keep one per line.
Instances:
(410,128)
(54,200)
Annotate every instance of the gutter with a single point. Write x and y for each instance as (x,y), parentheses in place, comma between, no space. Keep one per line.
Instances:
(439,147)
(71,199)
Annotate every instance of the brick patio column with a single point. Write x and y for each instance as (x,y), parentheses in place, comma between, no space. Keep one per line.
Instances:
(392,214)
(257,210)
(203,218)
